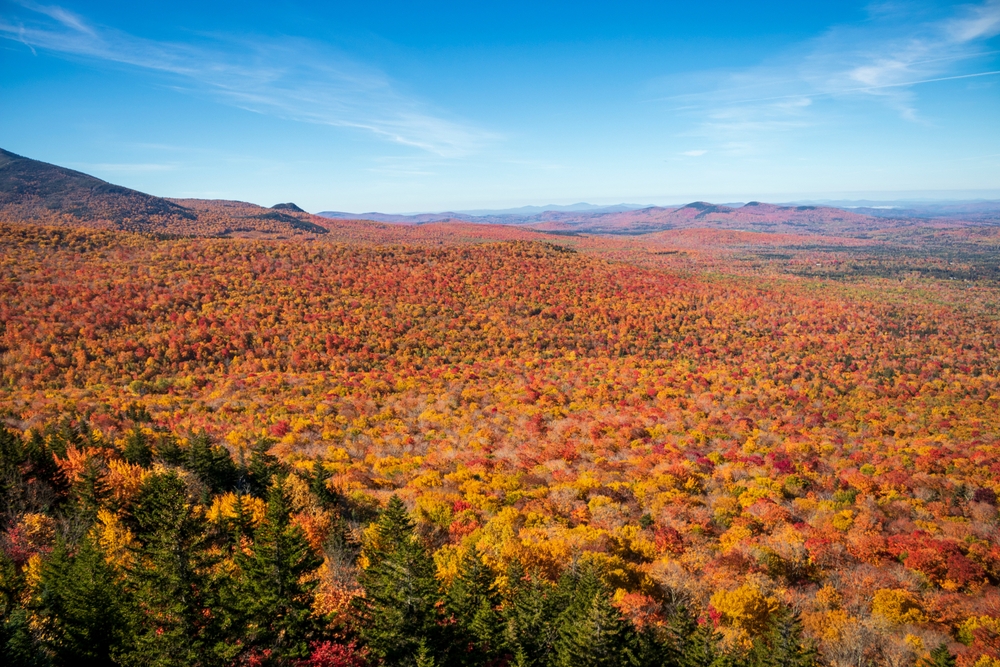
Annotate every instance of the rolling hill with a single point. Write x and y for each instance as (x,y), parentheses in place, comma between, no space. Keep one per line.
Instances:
(35,190)
(39,192)
(754,216)
(751,217)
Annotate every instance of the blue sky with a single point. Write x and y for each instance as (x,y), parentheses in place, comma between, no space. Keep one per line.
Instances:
(402,107)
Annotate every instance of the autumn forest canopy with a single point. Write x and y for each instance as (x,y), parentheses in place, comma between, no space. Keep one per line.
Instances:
(234,435)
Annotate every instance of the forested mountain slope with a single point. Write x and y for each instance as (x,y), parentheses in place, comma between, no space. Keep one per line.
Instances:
(746,447)
(34,191)
(246,442)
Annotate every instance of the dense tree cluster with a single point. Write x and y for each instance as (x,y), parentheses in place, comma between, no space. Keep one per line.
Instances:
(111,562)
(616,449)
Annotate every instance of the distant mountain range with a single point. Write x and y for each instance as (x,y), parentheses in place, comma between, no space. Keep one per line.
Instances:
(520,212)
(33,191)
(535,210)
(630,220)
(973,211)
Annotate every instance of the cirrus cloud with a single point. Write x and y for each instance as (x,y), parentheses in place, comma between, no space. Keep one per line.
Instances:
(289,78)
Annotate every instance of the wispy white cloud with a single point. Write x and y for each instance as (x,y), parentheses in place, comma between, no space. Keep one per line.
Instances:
(290,78)
(882,60)
(695,153)
(66,18)
(979,22)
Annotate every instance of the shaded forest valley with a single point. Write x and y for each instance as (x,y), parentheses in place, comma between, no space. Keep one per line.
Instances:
(463,444)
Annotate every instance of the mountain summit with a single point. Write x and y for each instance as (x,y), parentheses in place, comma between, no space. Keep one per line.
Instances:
(43,193)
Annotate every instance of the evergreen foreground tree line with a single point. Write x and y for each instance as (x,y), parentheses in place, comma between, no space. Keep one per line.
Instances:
(183,590)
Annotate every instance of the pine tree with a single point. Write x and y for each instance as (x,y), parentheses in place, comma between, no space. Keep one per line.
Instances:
(12,457)
(785,644)
(30,480)
(529,613)
(18,646)
(274,597)
(317,484)
(212,464)
(168,451)
(137,450)
(424,657)
(694,644)
(939,657)
(474,603)
(654,647)
(42,463)
(137,413)
(87,610)
(592,632)
(91,488)
(173,581)
(13,464)
(399,606)
(66,435)
(262,468)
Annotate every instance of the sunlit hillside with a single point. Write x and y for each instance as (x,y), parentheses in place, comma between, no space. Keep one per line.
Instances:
(750,433)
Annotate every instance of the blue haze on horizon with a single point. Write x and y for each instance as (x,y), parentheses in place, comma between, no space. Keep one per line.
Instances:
(396,107)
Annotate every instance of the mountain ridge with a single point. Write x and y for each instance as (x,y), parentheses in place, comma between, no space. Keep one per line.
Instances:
(44,193)
(752,216)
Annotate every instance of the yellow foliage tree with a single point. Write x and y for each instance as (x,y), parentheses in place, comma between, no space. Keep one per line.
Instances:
(113,538)
(746,608)
(897,606)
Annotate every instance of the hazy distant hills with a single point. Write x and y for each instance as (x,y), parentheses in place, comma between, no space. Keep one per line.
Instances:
(753,216)
(624,219)
(520,215)
(34,191)
(398,219)
(972,211)
(570,208)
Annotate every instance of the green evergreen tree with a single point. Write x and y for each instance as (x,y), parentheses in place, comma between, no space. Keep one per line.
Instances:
(42,462)
(784,645)
(654,648)
(212,464)
(65,435)
(260,471)
(424,657)
(592,632)
(168,451)
(530,612)
(694,644)
(137,448)
(274,599)
(173,581)
(13,460)
(318,486)
(939,657)
(399,609)
(137,413)
(12,457)
(30,480)
(474,603)
(91,487)
(18,646)
(86,608)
